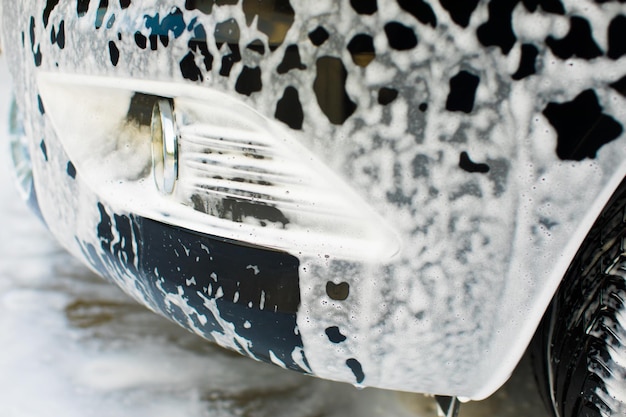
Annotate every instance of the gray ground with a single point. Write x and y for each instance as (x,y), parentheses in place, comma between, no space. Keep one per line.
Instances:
(73,345)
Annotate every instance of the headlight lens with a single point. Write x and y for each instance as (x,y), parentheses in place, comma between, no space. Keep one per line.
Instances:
(220,167)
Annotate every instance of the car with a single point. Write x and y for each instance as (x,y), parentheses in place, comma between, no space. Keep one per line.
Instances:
(398,194)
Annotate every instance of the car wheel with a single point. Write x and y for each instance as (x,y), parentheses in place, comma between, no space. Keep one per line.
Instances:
(579,351)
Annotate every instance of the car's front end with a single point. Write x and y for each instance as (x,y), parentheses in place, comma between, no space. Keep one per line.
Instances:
(383,194)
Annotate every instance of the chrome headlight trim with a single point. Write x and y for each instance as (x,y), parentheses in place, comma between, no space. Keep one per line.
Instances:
(164,146)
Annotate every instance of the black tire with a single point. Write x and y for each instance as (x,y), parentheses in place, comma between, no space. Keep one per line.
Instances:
(579,350)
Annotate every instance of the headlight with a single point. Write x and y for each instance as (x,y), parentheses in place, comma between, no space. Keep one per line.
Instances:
(220,167)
